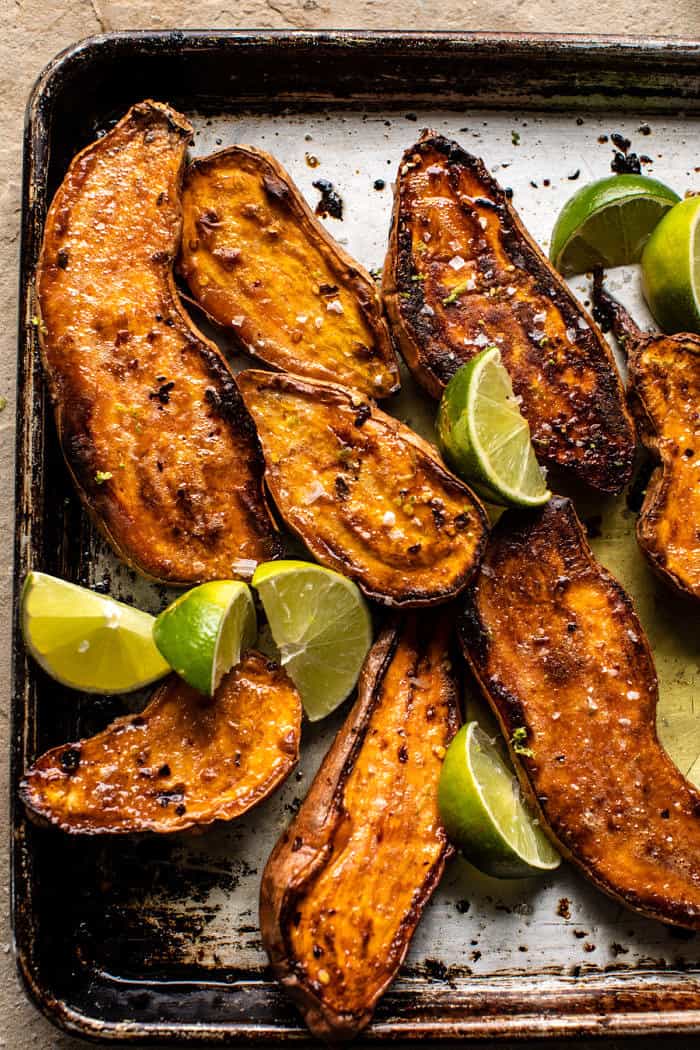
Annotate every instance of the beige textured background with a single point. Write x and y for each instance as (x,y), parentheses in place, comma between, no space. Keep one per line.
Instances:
(31,33)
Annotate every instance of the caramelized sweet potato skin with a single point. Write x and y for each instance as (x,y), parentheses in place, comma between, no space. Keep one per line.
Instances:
(664,393)
(185,761)
(259,263)
(367,496)
(344,888)
(463,273)
(150,421)
(559,652)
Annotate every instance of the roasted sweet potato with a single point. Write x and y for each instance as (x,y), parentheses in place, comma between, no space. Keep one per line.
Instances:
(664,393)
(463,273)
(259,262)
(149,417)
(564,662)
(184,762)
(366,495)
(344,888)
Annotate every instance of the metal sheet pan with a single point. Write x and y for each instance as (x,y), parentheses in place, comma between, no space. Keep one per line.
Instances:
(157,939)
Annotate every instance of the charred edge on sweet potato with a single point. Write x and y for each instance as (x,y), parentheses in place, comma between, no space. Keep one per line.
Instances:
(185,761)
(463,273)
(559,652)
(345,887)
(367,496)
(664,394)
(259,263)
(150,420)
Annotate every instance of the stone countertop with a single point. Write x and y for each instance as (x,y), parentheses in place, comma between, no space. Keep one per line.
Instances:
(31,33)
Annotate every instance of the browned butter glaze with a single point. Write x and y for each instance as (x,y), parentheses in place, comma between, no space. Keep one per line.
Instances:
(347,883)
(367,496)
(462,273)
(561,656)
(664,392)
(150,421)
(185,761)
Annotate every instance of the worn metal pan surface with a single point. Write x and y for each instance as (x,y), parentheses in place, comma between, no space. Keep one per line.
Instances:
(156,939)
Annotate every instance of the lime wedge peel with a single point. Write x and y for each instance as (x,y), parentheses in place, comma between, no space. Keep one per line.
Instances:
(608,222)
(671,269)
(322,627)
(88,641)
(205,631)
(484,436)
(484,813)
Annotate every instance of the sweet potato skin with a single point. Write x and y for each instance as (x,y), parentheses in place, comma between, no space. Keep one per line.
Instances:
(559,652)
(185,761)
(259,263)
(149,418)
(664,393)
(463,273)
(367,496)
(344,888)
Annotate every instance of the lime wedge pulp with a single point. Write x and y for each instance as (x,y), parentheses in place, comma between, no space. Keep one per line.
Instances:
(322,627)
(608,222)
(671,269)
(485,438)
(205,631)
(484,813)
(86,640)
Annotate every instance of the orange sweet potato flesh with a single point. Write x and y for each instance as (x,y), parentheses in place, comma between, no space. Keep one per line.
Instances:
(259,263)
(149,417)
(463,273)
(367,496)
(664,391)
(184,762)
(561,656)
(346,884)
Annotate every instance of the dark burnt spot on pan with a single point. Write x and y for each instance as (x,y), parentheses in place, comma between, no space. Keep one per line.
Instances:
(331,203)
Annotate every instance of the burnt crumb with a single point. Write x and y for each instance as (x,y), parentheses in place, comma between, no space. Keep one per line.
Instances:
(331,203)
(579,121)
(533,184)
(462,906)
(522,948)
(164,771)
(162,394)
(625,164)
(62,258)
(593,526)
(602,139)
(312,160)
(564,906)
(574,175)
(475,956)
(571,627)
(181,809)
(617,949)
(589,947)
(403,753)
(362,415)
(294,806)
(580,934)
(646,159)
(297,844)
(70,760)
(436,970)
(546,182)
(379,184)
(509,193)
(620,141)
(644,129)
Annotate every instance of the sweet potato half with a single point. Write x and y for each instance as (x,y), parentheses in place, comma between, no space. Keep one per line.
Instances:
(564,662)
(463,273)
(664,393)
(367,496)
(150,421)
(260,263)
(345,887)
(185,761)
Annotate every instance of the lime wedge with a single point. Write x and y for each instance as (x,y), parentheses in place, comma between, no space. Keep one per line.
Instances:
(322,627)
(485,438)
(203,633)
(484,812)
(671,269)
(607,223)
(86,640)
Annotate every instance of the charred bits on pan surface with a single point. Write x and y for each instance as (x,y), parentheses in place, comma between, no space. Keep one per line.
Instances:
(462,273)
(345,887)
(664,391)
(260,264)
(367,496)
(185,761)
(149,417)
(555,642)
